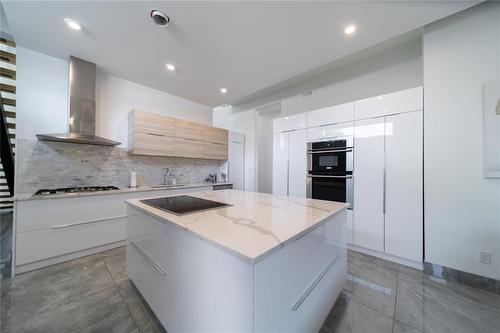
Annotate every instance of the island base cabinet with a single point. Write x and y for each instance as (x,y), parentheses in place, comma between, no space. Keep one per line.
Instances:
(158,289)
(206,288)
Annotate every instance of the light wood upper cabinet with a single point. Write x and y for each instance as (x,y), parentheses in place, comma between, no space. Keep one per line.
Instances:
(158,135)
(150,144)
(215,151)
(189,148)
(152,123)
(216,135)
(189,130)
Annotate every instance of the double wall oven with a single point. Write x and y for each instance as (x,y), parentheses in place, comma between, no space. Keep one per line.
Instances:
(330,166)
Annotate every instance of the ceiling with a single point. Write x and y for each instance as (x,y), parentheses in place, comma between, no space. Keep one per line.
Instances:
(243,46)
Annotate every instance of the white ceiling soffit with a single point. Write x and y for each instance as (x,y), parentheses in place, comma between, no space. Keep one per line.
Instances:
(243,46)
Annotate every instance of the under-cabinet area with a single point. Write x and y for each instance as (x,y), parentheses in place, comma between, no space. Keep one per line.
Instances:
(158,135)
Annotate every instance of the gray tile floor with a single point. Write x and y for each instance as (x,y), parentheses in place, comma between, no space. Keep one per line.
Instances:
(94,294)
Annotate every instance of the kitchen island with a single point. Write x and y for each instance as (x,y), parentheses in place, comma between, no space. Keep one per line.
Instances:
(263,264)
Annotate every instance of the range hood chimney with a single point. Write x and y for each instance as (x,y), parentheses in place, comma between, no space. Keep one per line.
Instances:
(82,76)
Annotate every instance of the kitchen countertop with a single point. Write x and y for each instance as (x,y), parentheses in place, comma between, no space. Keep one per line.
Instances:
(30,196)
(255,224)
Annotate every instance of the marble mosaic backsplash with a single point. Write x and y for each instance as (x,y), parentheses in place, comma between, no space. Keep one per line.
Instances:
(44,164)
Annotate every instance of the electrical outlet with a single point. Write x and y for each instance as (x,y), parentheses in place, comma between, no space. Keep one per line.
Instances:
(484,257)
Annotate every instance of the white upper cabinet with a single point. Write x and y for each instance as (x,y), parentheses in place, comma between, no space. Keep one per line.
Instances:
(404,191)
(397,102)
(290,123)
(331,115)
(297,167)
(330,131)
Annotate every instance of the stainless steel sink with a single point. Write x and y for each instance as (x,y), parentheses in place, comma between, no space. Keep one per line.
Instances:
(168,186)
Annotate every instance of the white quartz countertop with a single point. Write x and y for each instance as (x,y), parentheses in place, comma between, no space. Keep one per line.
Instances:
(30,196)
(255,224)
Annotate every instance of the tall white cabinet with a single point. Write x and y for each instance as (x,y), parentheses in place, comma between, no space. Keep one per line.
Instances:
(403,185)
(388,174)
(236,160)
(289,156)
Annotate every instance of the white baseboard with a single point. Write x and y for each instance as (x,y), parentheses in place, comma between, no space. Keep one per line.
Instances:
(385,256)
(66,257)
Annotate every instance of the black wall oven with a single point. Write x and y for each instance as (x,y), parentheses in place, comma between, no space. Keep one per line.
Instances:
(330,166)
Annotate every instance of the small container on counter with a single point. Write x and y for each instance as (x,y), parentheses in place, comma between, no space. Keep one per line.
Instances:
(133,179)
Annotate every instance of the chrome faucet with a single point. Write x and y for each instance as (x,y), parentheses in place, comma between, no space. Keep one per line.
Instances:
(167,172)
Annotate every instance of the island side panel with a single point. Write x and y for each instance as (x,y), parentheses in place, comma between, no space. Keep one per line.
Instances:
(204,287)
(296,286)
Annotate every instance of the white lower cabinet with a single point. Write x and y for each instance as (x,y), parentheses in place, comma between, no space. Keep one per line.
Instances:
(290,163)
(369,184)
(388,193)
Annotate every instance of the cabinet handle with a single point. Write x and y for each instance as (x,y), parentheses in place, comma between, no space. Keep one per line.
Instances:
(149,259)
(325,270)
(324,176)
(155,134)
(329,151)
(86,222)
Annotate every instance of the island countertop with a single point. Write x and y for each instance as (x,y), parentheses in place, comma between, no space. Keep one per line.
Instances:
(255,224)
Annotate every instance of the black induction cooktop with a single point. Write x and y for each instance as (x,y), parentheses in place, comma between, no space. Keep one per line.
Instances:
(183,204)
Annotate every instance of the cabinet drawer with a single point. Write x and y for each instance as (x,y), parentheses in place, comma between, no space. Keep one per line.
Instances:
(148,122)
(152,144)
(216,135)
(215,151)
(160,291)
(189,130)
(63,239)
(331,115)
(188,148)
(397,102)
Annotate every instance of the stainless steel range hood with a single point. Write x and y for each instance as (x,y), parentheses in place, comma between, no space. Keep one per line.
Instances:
(82,76)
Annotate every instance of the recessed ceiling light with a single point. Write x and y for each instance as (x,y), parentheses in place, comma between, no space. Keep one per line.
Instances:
(73,24)
(379,98)
(159,18)
(170,67)
(350,29)
(223,90)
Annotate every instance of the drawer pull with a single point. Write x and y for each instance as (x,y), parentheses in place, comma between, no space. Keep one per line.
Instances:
(325,270)
(149,259)
(86,222)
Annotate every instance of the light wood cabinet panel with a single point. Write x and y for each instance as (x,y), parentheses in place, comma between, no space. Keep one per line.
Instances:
(215,151)
(216,135)
(149,144)
(152,123)
(188,148)
(189,130)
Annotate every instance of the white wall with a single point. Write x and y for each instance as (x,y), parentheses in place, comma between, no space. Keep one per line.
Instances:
(42,99)
(42,94)
(462,208)
(243,122)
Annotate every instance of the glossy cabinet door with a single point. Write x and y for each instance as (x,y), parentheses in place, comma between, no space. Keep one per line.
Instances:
(280,164)
(297,157)
(369,184)
(331,115)
(397,102)
(290,123)
(330,131)
(404,179)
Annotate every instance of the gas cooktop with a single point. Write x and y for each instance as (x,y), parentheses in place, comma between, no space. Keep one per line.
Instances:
(77,189)
(183,204)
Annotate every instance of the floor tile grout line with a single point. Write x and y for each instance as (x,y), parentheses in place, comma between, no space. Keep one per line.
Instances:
(395,303)
(119,292)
